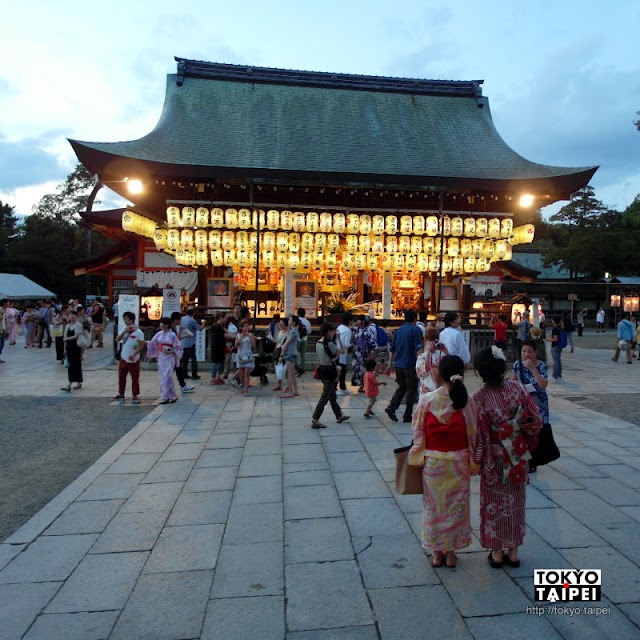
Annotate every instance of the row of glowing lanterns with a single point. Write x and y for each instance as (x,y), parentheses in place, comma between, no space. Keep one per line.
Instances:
(340,223)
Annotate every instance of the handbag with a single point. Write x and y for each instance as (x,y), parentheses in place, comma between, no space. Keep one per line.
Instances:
(316,373)
(279,368)
(66,362)
(408,477)
(547,450)
(84,340)
(246,359)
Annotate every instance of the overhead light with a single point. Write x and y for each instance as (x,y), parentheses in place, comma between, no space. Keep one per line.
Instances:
(526,200)
(134,186)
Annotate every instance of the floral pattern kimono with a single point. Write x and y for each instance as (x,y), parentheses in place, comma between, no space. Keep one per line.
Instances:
(426,362)
(444,444)
(363,344)
(166,347)
(508,426)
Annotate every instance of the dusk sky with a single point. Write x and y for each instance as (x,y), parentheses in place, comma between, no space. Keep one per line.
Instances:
(562,77)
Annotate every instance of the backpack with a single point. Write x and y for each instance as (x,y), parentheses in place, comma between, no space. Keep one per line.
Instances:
(562,339)
(381,337)
(302,330)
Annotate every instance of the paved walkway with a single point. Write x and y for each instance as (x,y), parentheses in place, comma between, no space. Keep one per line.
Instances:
(223,517)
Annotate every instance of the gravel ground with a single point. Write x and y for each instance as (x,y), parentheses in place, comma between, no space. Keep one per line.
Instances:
(624,406)
(46,443)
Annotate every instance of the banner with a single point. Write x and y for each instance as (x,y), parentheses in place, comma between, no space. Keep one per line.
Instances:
(170,302)
(201,345)
(128,302)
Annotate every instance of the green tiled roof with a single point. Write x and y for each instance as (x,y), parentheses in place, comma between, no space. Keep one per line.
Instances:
(239,124)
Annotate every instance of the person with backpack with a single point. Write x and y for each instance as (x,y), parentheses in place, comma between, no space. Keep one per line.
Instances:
(558,343)
(626,335)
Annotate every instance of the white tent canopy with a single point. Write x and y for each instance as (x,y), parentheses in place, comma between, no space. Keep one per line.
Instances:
(14,286)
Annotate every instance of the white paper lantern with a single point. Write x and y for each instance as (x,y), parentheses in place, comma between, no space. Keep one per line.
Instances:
(273,219)
(313,222)
(202,217)
(189,220)
(482,227)
(365,225)
(494,228)
(186,239)
(326,220)
(377,225)
(470,227)
(353,223)
(419,225)
(217,218)
(231,218)
(406,225)
(391,225)
(286,220)
(433,228)
(339,223)
(201,240)
(173,217)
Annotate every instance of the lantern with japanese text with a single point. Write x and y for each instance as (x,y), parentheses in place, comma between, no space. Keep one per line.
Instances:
(419,225)
(188,220)
(377,225)
(173,217)
(273,219)
(406,225)
(202,218)
(186,239)
(231,218)
(391,225)
(353,223)
(201,240)
(217,218)
(339,223)
(325,222)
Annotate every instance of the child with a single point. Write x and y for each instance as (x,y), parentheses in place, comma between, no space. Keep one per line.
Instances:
(371,386)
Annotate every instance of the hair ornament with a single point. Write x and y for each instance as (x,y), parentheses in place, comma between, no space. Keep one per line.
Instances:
(455,377)
(497,353)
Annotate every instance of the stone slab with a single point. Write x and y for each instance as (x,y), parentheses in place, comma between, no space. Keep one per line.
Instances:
(317,540)
(257,618)
(502,627)
(311,502)
(219,458)
(133,463)
(85,517)
(96,625)
(248,523)
(586,507)
(361,484)
(131,532)
(160,496)
(172,471)
(211,479)
(267,465)
(113,486)
(206,507)
(560,529)
(21,603)
(374,516)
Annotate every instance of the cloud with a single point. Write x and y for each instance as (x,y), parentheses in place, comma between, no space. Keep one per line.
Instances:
(23,198)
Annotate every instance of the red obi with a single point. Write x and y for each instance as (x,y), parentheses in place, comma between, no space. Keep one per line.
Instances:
(446,437)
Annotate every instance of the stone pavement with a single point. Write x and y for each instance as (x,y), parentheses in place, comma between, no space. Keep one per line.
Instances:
(228,518)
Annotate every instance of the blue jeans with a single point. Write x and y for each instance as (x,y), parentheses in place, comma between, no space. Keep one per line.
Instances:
(556,353)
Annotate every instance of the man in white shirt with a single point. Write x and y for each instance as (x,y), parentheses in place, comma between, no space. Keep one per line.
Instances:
(344,334)
(133,343)
(452,338)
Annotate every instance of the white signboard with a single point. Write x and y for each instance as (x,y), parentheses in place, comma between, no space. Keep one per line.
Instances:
(128,302)
(201,345)
(170,302)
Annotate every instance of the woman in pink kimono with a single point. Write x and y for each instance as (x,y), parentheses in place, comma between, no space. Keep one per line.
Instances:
(11,314)
(508,427)
(444,443)
(166,347)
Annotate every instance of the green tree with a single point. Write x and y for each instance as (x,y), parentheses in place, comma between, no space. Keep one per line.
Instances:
(8,230)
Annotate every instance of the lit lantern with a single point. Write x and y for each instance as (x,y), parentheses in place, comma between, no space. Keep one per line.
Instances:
(523,234)
(231,218)
(228,241)
(325,222)
(423,262)
(377,225)
(428,246)
(201,239)
(282,242)
(160,239)
(476,248)
(410,263)
(404,244)
(508,254)
(243,258)
(392,244)
(339,224)
(348,261)
(419,225)
(377,246)
(466,248)
(258,219)
(488,249)
(372,261)
(299,223)
(173,239)
(453,247)
(305,261)
(469,265)
(173,217)
(190,257)
(432,226)
(281,260)
(352,244)
(482,227)
(217,218)
(313,222)
(457,226)
(294,242)
(189,220)
(446,222)
(365,244)
(391,225)
(186,239)
(360,261)
(506,227)
(494,228)
(458,265)
(416,245)
(273,219)
(353,223)
(470,227)
(216,257)
(253,240)
(434,263)
(181,257)
(229,258)
(318,260)
(501,249)
(437,243)
(482,265)
(321,242)
(398,262)
(406,225)
(387,261)
(307,242)
(242,241)
(269,259)
(202,258)
(286,220)
(244,218)
(447,264)
(269,241)
(333,242)
(365,225)
(202,218)
(331,262)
